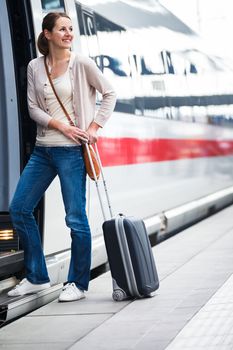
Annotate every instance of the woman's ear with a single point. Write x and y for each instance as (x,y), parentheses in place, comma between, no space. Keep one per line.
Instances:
(47,34)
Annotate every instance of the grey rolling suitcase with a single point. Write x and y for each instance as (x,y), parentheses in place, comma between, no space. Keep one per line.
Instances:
(130,258)
(129,253)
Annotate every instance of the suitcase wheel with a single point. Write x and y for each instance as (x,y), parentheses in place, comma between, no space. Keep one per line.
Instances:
(119,295)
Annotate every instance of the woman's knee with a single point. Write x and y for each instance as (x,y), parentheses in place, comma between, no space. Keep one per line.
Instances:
(14,209)
(78,222)
(17,211)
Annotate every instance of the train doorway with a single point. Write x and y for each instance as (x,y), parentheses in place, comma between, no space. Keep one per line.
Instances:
(17,48)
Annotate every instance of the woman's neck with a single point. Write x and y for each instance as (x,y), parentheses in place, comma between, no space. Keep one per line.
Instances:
(58,56)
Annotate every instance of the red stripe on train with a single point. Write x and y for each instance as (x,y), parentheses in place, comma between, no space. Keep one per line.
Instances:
(122,151)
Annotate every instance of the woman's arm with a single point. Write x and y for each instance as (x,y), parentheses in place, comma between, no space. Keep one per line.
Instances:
(99,82)
(36,113)
(92,132)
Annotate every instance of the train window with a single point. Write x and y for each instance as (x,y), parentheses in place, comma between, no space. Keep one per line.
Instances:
(151,64)
(115,61)
(179,63)
(153,85)
(167,61)
(50,5)
(201,62)
(221,120)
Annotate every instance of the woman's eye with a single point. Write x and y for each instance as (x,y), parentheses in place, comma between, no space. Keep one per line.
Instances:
(64,29)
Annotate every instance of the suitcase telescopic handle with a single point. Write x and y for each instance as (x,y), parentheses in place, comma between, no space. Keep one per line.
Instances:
(97,181)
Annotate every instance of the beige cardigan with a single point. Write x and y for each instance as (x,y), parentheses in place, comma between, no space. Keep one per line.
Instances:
(86,78)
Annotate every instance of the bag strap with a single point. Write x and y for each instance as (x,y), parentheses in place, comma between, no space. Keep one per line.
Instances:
(55,93)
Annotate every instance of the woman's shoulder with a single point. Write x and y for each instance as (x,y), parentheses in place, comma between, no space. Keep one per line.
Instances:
(82,60)
(35,62)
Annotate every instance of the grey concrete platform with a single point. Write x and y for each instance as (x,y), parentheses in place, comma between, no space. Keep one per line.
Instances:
(195,269)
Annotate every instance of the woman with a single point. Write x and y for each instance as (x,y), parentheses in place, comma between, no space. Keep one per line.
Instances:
(58,151)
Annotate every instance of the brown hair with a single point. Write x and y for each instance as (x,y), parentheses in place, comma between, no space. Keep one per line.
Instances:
(48,23)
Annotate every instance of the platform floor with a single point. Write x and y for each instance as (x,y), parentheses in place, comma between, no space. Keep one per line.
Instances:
(193,308)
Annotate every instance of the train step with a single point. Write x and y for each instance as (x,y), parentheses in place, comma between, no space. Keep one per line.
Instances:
(11,308)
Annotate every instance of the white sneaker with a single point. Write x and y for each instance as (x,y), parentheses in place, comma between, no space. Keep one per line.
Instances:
(26,287)
(71,293)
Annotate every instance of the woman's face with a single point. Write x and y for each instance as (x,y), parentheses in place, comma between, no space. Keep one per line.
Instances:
(61,35)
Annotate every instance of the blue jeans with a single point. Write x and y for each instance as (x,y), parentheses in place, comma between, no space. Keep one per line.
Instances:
(45,163)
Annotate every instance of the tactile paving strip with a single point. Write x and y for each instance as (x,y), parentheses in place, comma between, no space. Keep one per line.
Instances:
(212,326)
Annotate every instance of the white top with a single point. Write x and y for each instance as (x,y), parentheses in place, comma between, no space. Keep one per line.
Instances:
(86,79)
(63,88)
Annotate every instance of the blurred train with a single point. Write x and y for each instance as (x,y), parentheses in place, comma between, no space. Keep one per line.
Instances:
(167,151)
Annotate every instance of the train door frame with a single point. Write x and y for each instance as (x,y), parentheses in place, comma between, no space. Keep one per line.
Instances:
(21,34)
(9,148)
(9,128)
